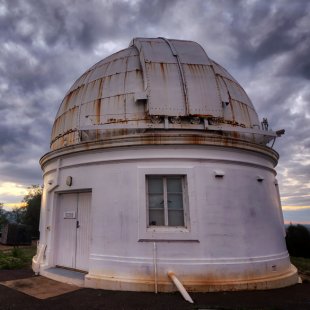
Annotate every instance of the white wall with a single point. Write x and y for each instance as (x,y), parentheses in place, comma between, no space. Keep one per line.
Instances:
(236,230)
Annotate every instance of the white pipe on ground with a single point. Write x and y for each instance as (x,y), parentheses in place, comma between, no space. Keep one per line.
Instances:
(180,287)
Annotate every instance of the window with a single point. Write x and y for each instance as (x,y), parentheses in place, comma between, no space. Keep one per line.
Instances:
(167,203)
(165,200)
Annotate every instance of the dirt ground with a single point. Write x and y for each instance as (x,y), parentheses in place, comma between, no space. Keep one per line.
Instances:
(293,298)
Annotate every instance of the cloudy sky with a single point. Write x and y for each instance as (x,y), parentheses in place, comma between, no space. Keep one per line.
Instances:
(47,45)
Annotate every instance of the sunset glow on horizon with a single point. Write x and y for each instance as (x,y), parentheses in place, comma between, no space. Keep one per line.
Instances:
(12,194)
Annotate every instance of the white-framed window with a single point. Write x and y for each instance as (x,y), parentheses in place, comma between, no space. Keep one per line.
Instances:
(167,204)
(166,200)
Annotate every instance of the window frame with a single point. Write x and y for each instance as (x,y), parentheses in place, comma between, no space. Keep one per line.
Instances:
(165,199)
(188,232)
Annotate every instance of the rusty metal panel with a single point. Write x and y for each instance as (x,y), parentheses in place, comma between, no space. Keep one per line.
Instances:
(121,54)
(228,112)
(167,78)
(237,93)
(106,86)
(71,100)
(113,85)
(134,110)
(58,127)
(87,113)
(223,72)
(239,112)
(117,84)
(154,50)
(93,91)
(242,113)
(117,66)
(254,117)
(202,90)
(112,62)
(79,82)
(245,115)
(133,63)
(70,119)
(98,72)
(133,81)
(82,82)
(113,109)
(165,93)
(103,111)
(190,52)
(222,89)
(62,107)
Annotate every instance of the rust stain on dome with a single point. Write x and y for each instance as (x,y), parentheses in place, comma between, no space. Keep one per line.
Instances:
(131,87)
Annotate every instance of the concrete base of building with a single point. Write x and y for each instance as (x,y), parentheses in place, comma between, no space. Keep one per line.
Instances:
(290,277)
(64,275)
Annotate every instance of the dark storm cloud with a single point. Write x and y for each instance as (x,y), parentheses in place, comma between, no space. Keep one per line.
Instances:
(19,143)
(28,174)
(264,29)
(47,45)
(152,11)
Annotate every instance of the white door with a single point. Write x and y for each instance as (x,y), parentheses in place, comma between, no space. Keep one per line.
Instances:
(83,232)
(73,230)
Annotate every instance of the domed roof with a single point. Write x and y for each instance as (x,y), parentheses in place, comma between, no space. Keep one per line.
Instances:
(154,84)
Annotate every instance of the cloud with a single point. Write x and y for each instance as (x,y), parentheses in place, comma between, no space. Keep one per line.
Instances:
(12,194)
(295,208)
(47,45)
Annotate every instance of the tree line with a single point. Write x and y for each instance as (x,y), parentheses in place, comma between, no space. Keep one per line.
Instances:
(298,240)
(29,214)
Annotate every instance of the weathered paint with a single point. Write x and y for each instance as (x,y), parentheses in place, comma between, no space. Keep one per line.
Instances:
(231,242)
(106,91)
(196,120)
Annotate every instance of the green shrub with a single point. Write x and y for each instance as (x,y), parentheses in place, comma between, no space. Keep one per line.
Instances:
(11,262)
(16,258)
(302,264)
(18,253)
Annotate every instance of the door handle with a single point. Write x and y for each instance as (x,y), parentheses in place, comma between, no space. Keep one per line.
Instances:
(77,224)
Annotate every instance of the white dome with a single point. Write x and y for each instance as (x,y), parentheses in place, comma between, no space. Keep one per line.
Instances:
(154,84)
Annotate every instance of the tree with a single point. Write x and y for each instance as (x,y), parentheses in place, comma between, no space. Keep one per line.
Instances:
(31,214)
(298,241)
(18,214)
(3,216)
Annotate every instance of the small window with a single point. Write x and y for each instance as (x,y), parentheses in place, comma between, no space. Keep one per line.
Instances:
(165,200)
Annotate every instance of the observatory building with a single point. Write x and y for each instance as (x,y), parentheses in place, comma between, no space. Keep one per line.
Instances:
(159,164)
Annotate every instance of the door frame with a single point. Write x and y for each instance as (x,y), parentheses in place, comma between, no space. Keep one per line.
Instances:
(54,215)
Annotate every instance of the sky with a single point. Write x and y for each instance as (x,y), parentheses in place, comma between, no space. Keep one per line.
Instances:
(47,45)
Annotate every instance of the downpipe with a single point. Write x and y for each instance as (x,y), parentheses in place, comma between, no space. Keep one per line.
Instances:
(155,266)
(180,287)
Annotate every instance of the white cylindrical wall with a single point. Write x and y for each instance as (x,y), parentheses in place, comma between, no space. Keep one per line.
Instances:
(234,231)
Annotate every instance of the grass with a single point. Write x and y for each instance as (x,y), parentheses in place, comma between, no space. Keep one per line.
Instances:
(302,264)
(17,258)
